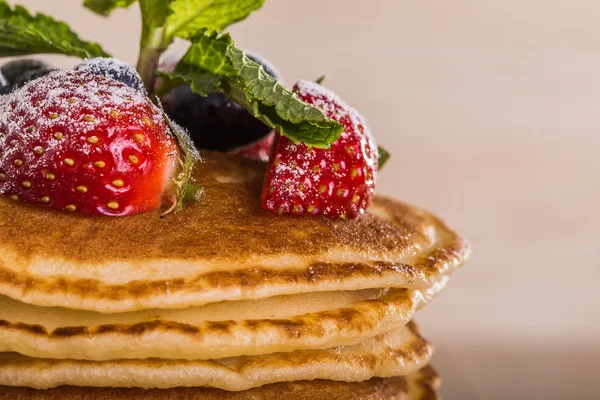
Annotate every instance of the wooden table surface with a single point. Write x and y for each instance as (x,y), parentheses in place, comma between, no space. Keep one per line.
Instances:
(491,112)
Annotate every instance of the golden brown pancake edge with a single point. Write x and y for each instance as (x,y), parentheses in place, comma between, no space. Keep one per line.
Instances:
(400,352)
(421,385)
(166,338)
(223,248)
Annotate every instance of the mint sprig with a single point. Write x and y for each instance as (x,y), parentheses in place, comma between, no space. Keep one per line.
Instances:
(22,33)
(152,42)
(188,17)
(269,101)
(213,63)
(203,66)
(208,52)
(164,20)
(154,14)
(105,7)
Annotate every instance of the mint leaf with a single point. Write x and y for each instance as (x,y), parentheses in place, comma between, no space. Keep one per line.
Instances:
(105,7)
(202,66)
(208,52)
(188,17)
(269,101)
(164,20)
(203,83)
(22,33)
(214,63)
(384,156)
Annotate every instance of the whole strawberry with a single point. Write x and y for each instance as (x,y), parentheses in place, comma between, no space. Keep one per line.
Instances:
(338,182)
(85,143)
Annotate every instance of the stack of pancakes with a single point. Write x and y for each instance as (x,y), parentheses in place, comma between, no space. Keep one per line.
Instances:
(222,300)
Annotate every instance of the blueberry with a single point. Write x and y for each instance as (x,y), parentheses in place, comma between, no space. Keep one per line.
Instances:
(18,72)
(215,122)
(115,69)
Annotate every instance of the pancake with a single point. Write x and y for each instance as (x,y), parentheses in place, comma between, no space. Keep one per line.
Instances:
(277,324)
(421,385)
(397,353)
(223,248)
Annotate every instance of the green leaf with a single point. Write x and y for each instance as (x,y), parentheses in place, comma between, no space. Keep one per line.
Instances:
(188,17)
(164,20)
(152,42)
(214,63)
(208,52)
(384,156)
(154,13)
(203,65)
(203,83)
(22,33)
(105,7)
(269,101)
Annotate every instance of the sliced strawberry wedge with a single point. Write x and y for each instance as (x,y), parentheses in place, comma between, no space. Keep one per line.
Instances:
(338,182)
(84,143)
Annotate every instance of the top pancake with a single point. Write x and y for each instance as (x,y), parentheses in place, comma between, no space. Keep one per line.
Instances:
(223,248)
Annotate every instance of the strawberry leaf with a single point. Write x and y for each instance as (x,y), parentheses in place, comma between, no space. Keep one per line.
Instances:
(22,33)
(384,156)
(188,17)
(105,7)
(214,58)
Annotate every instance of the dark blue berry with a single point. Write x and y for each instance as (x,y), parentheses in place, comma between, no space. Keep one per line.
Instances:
(215,122)
(115,69)
(19,72)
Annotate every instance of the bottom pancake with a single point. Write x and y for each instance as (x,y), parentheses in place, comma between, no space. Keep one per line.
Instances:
(421,385)
(397,353)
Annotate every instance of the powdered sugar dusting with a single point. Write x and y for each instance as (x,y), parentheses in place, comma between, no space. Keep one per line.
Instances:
(336,108)
(115,69)
(36,104)
(74,119)
(338,182)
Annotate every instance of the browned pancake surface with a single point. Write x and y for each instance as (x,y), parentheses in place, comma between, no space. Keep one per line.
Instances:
(227,224)
(307,321)
(397,353)
(225,246)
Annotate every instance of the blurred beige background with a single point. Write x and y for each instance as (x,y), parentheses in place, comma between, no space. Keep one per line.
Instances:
(491,110)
